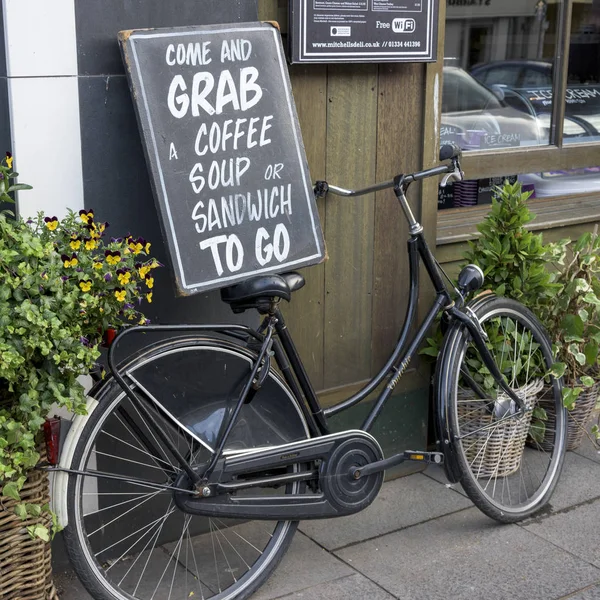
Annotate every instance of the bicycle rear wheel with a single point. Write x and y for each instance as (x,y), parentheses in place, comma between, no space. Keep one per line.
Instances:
(127,540)
(508,461)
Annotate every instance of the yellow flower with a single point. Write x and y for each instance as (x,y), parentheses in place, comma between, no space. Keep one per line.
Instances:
(112,257)
(91,244)
(142,321)
(124,278)
(51,223)
(150,282)
(75,244)
(87,216)
(97,265)
(9,161)
(85,286)
(120,295)
(143,271)
(149,297)
(69,261)
(147,248)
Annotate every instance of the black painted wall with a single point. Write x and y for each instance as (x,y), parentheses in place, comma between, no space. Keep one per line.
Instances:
(116,182)
(5,134)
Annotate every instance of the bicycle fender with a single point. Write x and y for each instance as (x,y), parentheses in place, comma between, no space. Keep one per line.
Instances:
(59,480)
(442,391)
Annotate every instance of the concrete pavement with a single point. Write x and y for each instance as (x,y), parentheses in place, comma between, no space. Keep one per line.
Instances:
(422,540)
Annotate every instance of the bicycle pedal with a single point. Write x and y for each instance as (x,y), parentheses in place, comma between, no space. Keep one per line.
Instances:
(431,458)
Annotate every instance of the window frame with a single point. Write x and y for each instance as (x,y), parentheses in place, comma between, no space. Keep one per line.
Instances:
(496,163)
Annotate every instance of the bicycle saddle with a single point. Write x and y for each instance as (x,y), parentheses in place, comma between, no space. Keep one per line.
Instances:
(256,291)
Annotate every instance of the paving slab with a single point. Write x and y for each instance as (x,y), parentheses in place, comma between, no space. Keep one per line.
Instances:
(305,564)
(591,593)
(574,530)
(400,503)
(579,482)
(466,555)
(68,585)
(437,473)
(588,448)
(354,586)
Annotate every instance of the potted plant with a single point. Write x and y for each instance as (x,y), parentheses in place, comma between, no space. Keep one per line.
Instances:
(566,297)
(63,283)
(573,322)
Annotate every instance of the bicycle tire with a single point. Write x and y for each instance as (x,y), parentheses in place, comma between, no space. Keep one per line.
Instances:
(507,462)
(99,541)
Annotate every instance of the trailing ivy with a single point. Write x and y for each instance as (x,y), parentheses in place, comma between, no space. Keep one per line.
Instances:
(62,285)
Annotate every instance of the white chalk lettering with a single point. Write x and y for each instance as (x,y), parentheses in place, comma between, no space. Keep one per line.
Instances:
(220,138)
(280,248)
(173,152)
(213,244)
(273,171)
(232,244)
(263,254)
(233,209)
(196,179)
(281,242)
(194,54)
(226,93)
(248,79)
(233,50)
(178,105)
(199,97)
(242,97)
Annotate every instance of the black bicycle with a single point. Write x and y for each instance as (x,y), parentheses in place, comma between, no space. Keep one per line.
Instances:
(201,452)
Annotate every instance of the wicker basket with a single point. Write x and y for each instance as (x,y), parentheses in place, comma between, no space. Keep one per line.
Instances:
(495,451)
(25,569)
(577,419)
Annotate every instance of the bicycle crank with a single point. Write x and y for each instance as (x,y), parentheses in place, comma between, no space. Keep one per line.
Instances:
(317,475)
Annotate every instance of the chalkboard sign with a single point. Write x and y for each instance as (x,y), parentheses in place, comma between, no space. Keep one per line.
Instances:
(363,30)
(225,153)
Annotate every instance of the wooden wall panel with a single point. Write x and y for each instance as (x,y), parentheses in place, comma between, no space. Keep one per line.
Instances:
(305,313)
(399,149)
(351,154)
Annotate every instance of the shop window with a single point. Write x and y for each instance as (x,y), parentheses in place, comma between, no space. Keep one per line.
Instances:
(494,54)
(583,87)
(562,182)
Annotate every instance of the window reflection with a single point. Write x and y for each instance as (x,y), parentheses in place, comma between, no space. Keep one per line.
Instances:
(498,72)
(562,183)
(583,89)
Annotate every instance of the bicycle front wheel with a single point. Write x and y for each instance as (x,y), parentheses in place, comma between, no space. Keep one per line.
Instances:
(127,539)
(507,460)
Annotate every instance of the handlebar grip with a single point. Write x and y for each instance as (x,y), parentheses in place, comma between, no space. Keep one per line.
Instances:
(449,151)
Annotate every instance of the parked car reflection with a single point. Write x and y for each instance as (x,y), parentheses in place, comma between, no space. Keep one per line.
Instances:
(475,117)
(528,87)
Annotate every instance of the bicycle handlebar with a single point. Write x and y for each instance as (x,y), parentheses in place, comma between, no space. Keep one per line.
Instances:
(447,152)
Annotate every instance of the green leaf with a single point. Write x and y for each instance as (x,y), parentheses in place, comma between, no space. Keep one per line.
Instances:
(39,531)
(591,353)
(558,369)
(11,491)
(537,431)
(573,325)
(19,186)
(587,381)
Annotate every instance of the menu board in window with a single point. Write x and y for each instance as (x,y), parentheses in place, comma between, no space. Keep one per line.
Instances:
(326,31)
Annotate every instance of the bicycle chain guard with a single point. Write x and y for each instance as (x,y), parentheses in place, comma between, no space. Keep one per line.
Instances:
(335,492)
